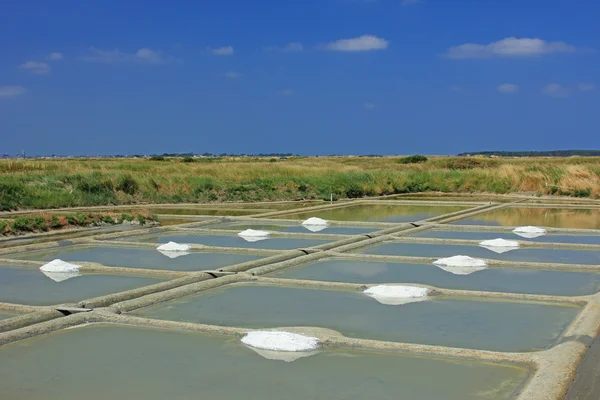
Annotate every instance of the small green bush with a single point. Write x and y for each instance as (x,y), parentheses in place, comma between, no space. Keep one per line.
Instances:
(582,193)
(23,224)
(128,185)
(55,223)
(141,219)
(39,223)
(273,160)
(469,163)
(188,159)
(107,219)
(157,158)
(3,225)
(415,159)
(126,217)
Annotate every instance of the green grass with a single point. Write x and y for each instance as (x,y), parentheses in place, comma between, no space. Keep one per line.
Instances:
(44,184)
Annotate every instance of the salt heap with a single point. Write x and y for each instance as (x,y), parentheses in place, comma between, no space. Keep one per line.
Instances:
(280,345)
(529,232)
(315,224)
(460,265)
(174,250)
(500,245)
(395,295)
(59,271)
(251,235)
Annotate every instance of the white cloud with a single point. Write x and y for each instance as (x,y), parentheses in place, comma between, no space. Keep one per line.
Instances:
(286,92)
(232,75)
(36,67)
(223,51)
(508,88)
(555,90)
(55,56)
(509,47)
(361,43)
(410,2)
(11,91)
(369,106)
(116,56)
(586,87)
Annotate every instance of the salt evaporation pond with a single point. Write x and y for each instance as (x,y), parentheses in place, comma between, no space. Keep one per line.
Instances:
(288,228)
(559,256)
(507,280)
(132,257)
(223,240)
(31,287)
(149,364)
(474,235)
(7,314)
(378,213)
(550,217)
(491,325)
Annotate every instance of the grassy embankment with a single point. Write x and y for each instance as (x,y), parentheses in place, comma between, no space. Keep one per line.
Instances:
(40,184)
(45,222)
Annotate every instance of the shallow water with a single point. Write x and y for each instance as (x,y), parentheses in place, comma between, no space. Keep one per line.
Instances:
(508,280)
(227,241)
(492,325)
(551,217)
(549,238)
(207,211)
(139,363)
(522,254)
(296,228)
(131,257)
(378,213)
(31,287)
(6,315)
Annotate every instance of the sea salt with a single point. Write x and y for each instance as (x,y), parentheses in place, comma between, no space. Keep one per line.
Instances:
(529,232)
(500,245)
(397,294)
(460,265)
(173,247)
(251,235)
(280,341)
(315,224)
(60,271)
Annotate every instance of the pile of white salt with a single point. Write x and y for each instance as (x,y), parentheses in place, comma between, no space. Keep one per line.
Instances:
(397,294)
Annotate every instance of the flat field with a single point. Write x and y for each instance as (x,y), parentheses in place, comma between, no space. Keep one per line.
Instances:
(52,183)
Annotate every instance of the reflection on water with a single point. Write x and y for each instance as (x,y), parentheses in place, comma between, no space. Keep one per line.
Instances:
(379,213)
(551,217)
(153,364)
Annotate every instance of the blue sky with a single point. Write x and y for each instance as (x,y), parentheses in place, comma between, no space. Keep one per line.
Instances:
(308,77)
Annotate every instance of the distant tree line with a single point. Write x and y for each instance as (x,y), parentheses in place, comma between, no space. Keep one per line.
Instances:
(553,153)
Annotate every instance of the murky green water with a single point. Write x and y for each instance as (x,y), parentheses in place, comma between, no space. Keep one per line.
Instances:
(131,257)
(31,287)
(378,213)
(227,241)
(549,238)
(551,217)
(508,280)
(6,315)
(207,211)
(522,254)
(295,228)
(148,364)
(492,325)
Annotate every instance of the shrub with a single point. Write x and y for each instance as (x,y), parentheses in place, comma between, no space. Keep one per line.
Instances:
(107,219)
(582,192)
(141,219)
(81,219)
(469,163)
(128,185)
(157,158)
(126,217)
(55,223)
(188,159)
(415,159)
(3,225)
(39,223)
(273,160)
(23,224)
